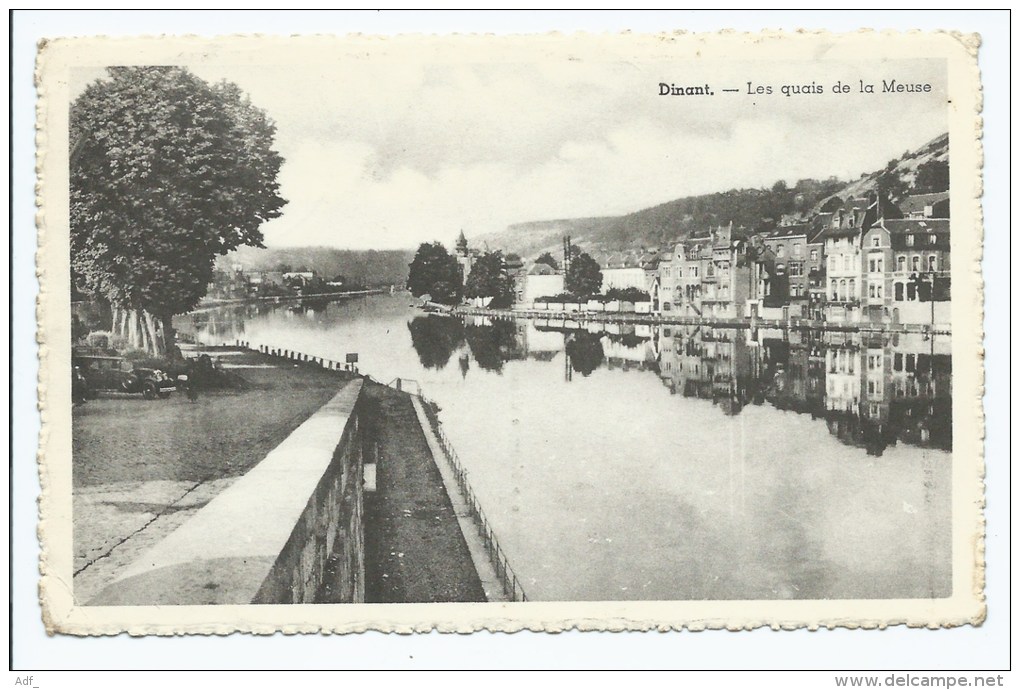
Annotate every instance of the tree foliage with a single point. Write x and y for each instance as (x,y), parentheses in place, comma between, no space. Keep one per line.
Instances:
(547,259)
(434,271)
(489,278)
(167,172)
(584,276)
(932,176)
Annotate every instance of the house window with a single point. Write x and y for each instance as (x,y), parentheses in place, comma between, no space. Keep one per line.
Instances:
(842,289)
(901,263)
(897,362)
(795,269)
(911,292)
(932,263)
(853,288)
(876,241)
(846,262)
(780,250)
(796,291)
(910,240)
(878,291)
(835,294)
(898,292)
(915,263)
(796,250)
(694,271)
(932,239)
(871,290)
(910,362)
(814,255)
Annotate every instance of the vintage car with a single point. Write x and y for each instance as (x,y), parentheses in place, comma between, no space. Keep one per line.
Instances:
(113,373)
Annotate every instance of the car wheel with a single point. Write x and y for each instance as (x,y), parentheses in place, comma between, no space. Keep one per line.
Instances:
(150,390)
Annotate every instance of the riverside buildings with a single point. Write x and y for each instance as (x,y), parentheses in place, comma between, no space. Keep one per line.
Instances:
(870,260)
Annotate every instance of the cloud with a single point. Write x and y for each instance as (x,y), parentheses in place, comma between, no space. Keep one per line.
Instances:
(387,154)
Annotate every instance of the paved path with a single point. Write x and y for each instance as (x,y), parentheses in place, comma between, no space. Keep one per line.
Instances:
(415,551)
(141,468)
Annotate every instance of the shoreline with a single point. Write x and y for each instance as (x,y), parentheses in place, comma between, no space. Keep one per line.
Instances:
(213,303)
(582,318)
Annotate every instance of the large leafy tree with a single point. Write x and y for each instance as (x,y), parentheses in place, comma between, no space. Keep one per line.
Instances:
(436,272)
(584,277)
(167,172)
(489,278)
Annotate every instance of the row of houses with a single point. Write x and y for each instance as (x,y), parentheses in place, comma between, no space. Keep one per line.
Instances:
(239,283)
(870,260)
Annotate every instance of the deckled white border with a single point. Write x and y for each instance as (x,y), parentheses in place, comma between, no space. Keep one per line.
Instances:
(965,607)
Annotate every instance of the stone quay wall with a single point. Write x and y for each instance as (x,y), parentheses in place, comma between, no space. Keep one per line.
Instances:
(289,531)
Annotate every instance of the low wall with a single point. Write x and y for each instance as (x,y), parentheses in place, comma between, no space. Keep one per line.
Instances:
(289,531)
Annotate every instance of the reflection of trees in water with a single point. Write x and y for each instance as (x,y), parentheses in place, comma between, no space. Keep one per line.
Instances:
(435,338)
(585,352)
(494,345)
(628,340)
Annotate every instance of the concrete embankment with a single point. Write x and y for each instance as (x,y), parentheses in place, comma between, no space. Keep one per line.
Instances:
(299,525)
(272,536)
(142,468)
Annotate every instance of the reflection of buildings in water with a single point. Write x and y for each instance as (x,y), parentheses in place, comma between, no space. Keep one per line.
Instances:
(219,324)
(872,390)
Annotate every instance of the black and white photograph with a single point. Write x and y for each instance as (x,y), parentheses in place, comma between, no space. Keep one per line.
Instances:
(610,332)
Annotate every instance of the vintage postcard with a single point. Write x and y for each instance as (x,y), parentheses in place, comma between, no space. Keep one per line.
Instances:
(539,332)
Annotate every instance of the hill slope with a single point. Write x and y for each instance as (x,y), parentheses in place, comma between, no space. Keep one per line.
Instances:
(757,208)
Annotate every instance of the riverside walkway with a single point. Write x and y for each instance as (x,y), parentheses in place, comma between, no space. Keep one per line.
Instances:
(414,548)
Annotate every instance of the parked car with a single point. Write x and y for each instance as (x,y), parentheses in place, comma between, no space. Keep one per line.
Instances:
(113,373)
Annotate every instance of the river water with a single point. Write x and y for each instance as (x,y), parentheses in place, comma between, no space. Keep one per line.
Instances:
(632,462)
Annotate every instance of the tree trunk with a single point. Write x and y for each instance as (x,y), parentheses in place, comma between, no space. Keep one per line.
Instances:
(134,330)
(155,342)
(169,337)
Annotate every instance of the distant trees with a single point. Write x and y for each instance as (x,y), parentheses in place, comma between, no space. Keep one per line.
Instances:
(547,259)
(584,276)
(489,278)
(167,172)
(436,272)
(932,176)
(630,294)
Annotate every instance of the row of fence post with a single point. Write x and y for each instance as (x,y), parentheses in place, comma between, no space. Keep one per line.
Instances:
(511,583)
(293,355)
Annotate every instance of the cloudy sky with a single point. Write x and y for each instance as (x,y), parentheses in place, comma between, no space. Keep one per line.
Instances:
(389,153)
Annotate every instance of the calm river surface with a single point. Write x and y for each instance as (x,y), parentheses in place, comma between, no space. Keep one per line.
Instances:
(658,463)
